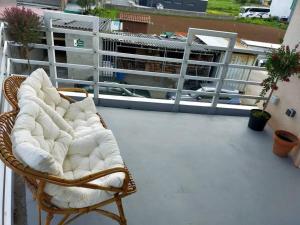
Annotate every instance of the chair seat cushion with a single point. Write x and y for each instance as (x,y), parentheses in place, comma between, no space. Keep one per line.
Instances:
(82,115)
(87,155)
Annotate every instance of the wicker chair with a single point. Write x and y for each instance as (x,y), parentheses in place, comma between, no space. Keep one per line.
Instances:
(37,180)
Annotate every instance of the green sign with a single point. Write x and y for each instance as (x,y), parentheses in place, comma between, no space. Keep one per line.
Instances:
(78,43)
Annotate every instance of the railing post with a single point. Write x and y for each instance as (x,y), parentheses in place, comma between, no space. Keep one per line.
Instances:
(1,35)
(224,70)
(51,51)
(96,58)
(183,69)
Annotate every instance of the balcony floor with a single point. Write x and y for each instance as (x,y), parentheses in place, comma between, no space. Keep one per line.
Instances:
(199,169)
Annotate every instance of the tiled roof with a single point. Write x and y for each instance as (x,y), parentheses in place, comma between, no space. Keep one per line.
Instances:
(135,17)
(81,25)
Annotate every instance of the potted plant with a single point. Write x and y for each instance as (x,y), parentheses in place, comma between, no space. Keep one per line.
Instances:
(284,142)
(281,64)
(23,27)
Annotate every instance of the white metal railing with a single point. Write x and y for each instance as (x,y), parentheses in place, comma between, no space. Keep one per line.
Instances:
(6,175)
(97,53)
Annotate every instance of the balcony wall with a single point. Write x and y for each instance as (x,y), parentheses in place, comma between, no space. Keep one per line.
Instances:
(288,92)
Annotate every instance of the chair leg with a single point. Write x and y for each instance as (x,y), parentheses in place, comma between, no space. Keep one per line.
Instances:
(64,219)
(121,210)
(40,215)
(49,218)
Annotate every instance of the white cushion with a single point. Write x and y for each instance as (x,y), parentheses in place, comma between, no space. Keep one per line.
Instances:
(38,84)
(80,115)
(42,145)
(37,141)
(87,155)
(68,140)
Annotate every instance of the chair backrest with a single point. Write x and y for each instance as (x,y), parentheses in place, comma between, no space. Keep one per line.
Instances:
(11,87)
(7,121)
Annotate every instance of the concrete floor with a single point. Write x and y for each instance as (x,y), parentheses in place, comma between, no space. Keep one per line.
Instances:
(199,170)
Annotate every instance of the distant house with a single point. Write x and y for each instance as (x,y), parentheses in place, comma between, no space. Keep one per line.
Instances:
(188,5)
(281,9)
(135,23)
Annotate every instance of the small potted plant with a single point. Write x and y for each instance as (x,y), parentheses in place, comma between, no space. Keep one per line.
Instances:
(23,27)
(281,64)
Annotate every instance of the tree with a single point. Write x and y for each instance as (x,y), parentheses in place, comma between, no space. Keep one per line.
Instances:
(23,27)
(281,64)
(85,4)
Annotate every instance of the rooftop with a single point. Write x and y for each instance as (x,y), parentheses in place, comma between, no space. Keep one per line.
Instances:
(134,17)
(188,172)
(260,44)
(81,25)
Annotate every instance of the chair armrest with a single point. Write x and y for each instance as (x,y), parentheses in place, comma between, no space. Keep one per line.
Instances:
(80,90)
(84,181)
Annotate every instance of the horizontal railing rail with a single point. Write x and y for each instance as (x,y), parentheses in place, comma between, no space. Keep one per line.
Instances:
(98,53)
(142,73)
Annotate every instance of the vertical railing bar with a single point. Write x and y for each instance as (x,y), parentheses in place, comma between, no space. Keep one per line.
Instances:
(183,70)
(1,36)
(51,51)
(3,64)
(101,46)
(95,40)
(8,65)
(3,61)
(224,70)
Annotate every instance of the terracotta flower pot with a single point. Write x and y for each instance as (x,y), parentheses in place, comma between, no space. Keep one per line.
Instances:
(284,141)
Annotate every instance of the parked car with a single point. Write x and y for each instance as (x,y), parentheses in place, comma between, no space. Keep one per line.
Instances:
(117,91)
(201,98)
(254,12)
(123,92)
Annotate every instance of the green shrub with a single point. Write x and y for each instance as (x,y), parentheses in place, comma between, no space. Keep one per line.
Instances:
(105,13)
(273,22)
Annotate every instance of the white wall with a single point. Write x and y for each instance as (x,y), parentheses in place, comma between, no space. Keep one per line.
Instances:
(292,35)
(281,8)
(288,92)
